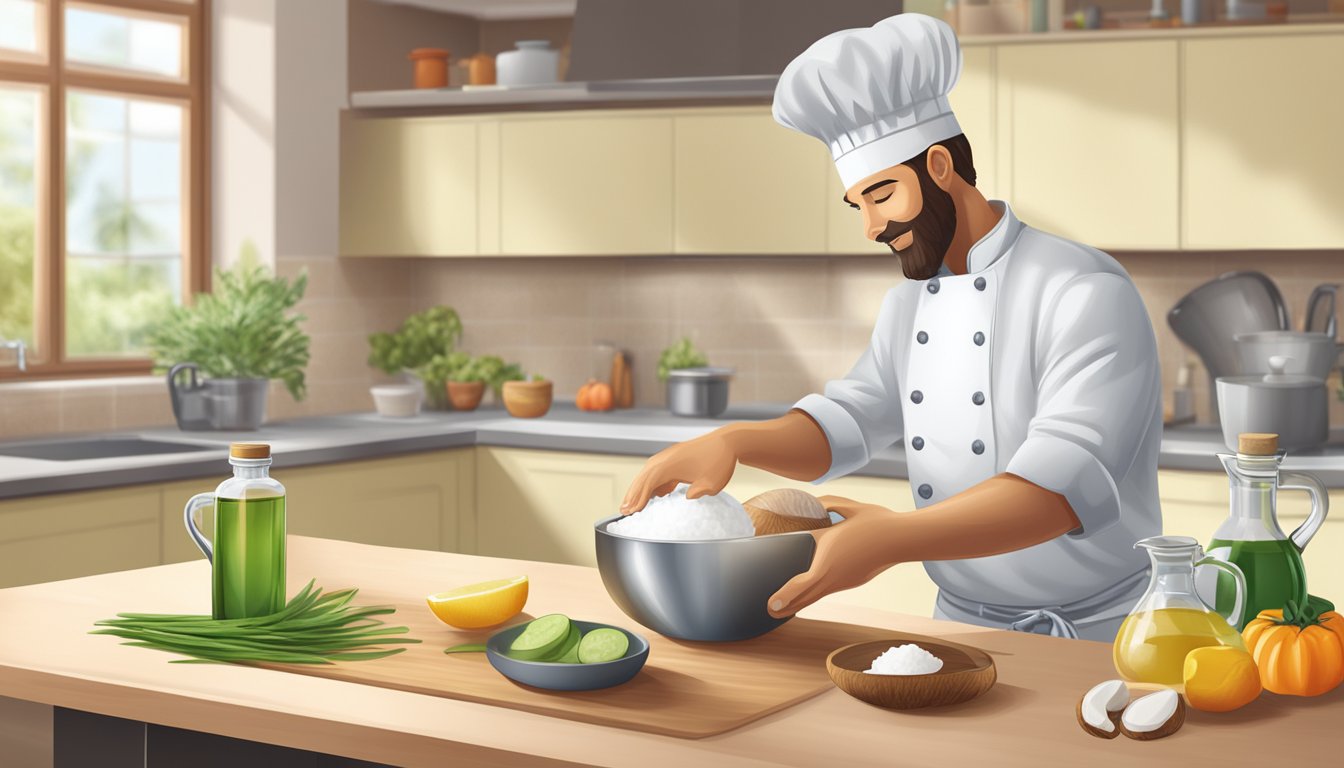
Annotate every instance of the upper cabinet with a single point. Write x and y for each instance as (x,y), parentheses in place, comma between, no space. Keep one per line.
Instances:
(745,184)
(409,187)
(1090,142)
(573,184)
(1263,127)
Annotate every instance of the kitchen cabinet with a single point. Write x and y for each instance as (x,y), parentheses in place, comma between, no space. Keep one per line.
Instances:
(585,185)
(409,187)
(64,536)
(416,501)
(1196,503)
(541,505)
(1089,140)
(972,101)
(1261,125)
(746,184)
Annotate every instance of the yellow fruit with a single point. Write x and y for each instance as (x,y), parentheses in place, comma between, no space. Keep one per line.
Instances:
(480,605)
(1220,678)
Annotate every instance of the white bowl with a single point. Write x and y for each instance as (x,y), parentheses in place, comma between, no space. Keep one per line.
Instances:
(396,400)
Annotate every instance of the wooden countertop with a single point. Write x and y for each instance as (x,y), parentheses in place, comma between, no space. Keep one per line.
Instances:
(1028,718)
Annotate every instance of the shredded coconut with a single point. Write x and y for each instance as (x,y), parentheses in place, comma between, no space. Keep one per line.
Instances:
(676,518)
(908,659)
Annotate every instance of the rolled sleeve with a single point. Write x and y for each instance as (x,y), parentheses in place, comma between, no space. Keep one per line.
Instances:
(1098,386)
(861,413)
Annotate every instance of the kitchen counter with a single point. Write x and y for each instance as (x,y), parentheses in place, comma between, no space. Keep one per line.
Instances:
(46,656)
(636,432)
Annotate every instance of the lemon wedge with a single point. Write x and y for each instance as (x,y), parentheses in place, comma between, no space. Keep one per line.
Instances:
(480,605)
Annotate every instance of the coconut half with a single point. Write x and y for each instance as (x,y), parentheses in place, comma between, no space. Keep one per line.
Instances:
(785,510)
(1099,709)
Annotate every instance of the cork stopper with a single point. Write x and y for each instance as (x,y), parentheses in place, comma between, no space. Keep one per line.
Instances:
(1258,443)
(249,451)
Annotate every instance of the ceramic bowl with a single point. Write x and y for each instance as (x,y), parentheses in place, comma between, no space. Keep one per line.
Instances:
(966,673)
(396,400)
(558,676)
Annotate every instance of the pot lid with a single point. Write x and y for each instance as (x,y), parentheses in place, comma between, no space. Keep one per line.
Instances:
(700,373)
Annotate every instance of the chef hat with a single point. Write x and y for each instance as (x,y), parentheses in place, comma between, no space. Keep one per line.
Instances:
(877,96)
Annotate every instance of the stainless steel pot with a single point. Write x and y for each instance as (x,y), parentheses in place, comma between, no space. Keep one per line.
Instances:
(1292,406)
(698,391)
(700,590)
(234,404)
(1308,354)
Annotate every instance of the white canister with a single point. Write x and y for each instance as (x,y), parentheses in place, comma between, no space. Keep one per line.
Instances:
(535,62)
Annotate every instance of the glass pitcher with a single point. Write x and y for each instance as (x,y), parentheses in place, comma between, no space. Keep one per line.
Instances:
(1170,620)
(247,556)
(1251,539)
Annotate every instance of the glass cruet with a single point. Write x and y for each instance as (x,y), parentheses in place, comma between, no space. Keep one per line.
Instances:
(1170,620)
(1251,539)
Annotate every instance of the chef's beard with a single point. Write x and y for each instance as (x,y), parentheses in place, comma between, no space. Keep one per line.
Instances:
(933,228)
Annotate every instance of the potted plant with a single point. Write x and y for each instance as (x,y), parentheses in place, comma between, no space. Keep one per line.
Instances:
(238,337)
(466,378)
(528,399)
(410,349)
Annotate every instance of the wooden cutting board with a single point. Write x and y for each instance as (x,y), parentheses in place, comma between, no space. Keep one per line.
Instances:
(686,689)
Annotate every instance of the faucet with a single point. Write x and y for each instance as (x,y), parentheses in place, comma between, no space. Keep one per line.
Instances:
(20,351)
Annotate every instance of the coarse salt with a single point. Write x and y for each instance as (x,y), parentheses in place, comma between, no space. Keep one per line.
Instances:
(908,659)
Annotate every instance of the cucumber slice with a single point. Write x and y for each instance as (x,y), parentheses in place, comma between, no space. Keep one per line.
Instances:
(571,654)
(603,644)
(570,647)
(542,637)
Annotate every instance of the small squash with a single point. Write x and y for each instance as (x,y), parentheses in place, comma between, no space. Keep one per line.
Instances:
(594,396)
(1298,653)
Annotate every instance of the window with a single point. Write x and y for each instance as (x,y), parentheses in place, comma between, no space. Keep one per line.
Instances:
(103,176)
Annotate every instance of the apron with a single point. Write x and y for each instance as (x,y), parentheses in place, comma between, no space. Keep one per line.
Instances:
(948,411)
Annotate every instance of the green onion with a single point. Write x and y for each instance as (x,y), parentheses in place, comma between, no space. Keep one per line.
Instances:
(312,628)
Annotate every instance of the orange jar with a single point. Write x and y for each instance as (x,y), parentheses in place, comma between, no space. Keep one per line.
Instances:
(431,67)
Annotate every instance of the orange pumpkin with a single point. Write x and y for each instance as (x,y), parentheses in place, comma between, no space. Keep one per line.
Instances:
(594,396)
(1298,653)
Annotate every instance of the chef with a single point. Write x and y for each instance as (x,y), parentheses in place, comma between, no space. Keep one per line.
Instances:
(1019,369)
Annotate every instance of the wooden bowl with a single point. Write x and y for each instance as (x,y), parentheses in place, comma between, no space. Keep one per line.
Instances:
(527,399)
(967,672)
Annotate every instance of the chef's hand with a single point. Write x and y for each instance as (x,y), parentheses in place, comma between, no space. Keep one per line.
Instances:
(848,554)
(706,462)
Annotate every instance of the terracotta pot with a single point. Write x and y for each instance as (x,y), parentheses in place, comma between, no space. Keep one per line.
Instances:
(431,67)
(480,69)
(527,399)
(466,395)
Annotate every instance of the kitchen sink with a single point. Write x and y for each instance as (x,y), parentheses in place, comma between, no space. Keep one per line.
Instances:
(77,449)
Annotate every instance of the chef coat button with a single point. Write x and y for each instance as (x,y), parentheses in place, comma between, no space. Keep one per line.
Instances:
(917,443)
(979,339)
(916,397)
(978,398)
(933,285)
(922,337)
(925,491)
(979,283)
(978,447)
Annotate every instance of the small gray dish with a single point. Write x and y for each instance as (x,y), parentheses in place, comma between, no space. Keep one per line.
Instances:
(558,676)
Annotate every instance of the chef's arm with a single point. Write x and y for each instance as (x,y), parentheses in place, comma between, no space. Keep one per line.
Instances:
(1002,514)
(792,446)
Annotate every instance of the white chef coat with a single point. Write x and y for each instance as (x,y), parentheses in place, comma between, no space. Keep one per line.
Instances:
(1040,362)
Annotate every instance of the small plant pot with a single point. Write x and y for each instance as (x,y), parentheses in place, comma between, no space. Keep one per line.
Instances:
(465,395)
(527,399)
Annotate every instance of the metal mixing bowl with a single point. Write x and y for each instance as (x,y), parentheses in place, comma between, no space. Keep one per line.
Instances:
(700,590)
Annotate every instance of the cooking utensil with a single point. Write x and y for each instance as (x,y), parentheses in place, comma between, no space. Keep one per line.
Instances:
(700,590)
(1291,406)
(1207,318)
(560,676)
(967,672)
(1321,310)
(699,392)
(1307,354)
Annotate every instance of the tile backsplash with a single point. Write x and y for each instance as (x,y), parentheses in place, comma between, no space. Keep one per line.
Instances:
(785,324)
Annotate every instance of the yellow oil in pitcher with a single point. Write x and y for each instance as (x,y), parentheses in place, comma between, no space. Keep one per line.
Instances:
(1151,645)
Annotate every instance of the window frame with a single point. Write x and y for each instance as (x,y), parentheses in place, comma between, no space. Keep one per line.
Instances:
(53,77)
